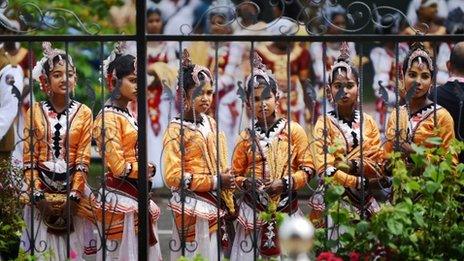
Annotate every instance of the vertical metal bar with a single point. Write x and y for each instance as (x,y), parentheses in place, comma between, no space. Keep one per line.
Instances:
(31,147)
(103,154)
(182,237)
(434,75)
(397,97)
(68,179)
(361,130)
(289,120)
(324,133)
(142,129)
(218,173)
(254,240)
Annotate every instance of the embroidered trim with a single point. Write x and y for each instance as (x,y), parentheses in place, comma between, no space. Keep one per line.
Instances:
(57,124)
(201,126)
(123,112)
(82,167)
(350,130)
(416,118)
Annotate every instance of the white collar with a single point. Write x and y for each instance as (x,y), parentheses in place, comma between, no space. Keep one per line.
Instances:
(204,126)
(454,78)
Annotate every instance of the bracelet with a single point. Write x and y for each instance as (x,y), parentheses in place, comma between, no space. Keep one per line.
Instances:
(38,195)
(330,171)
(154,169)
(362,181)
(187,180)
(287,183)
(74,196)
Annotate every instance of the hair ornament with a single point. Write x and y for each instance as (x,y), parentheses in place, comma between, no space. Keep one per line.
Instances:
(342,62)
(38,73)
(120,48)
(259,69)
(197,69)
(419,52)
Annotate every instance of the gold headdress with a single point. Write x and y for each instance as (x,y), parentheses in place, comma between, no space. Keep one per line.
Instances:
(343,62)
(419,52)
(197,69)
(50,54)
(259,69)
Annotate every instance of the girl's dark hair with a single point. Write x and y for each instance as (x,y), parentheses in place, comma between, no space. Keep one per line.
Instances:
(56,59)
(414,47)
(123,65)
(187,79)
(261,81)
(153,10)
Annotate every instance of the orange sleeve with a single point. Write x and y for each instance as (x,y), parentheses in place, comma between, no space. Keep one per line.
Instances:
(390,133)
(114,151)
(373,146)
(302,163)
(240,159)
(319,145)
(339,176)
(172,163)
(446,124)
(83,152)
(31,158)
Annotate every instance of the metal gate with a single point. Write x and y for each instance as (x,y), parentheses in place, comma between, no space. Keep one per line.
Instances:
(104,244)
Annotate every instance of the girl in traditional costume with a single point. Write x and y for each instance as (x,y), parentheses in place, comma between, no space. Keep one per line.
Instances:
(57,143)
(275,185)
(116,129)
(191,168)
(417,122)
(343,129)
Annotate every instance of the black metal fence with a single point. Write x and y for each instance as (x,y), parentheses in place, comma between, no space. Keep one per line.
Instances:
(103,243)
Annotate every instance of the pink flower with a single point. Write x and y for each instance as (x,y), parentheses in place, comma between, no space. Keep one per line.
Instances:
(72,254)
(354,256)
(328,256)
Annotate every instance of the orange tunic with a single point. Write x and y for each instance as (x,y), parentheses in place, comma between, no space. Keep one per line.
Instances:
(344,139)
(420,126)
(272,154)
(120,141)
(48,153)
(200,169)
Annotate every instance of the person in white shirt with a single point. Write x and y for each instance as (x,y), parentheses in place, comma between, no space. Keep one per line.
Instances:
(11,87)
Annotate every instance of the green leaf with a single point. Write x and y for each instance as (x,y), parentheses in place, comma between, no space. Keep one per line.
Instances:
(413,185)
(431,187)
(418,149)
(394,226)
(331,149)
(334,193)
(434,140)
(418,159)
(460,168)
(362,226)
(445,167)
(419,219)
(430,172)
